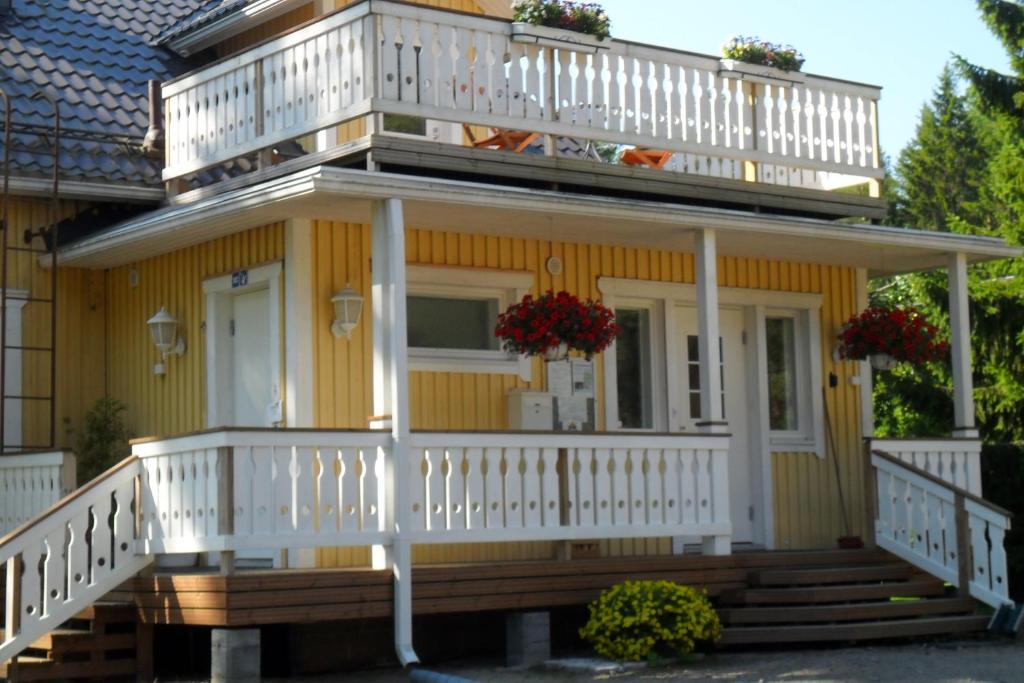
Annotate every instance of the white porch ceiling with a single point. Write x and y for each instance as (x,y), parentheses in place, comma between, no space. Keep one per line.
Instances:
(346,195)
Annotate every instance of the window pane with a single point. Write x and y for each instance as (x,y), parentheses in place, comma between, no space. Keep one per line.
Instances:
(633,364)
(782,399)
(442,323)
(403,123)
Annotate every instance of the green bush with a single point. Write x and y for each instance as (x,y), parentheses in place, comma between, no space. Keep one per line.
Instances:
(636,620)
(103,440)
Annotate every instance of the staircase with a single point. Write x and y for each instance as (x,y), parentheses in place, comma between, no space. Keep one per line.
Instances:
(870,600)
(97,643)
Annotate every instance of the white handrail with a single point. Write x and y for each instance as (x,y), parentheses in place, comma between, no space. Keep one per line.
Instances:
(957,461)
(946,531)
(69,557)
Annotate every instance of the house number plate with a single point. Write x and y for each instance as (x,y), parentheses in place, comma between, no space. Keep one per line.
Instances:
(239,279)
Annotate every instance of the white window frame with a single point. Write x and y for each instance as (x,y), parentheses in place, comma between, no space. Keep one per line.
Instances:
(220,408)
(809,435)
(469,283)
(659,389)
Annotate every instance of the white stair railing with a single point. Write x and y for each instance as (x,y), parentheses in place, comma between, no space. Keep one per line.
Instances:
(32,482)
(956,461)
(69,557)
(945,530)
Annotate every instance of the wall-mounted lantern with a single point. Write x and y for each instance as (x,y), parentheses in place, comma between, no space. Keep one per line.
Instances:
(348,306)
(163,327)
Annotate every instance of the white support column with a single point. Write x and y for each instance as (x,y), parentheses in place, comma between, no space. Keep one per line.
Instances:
(960,349)
(711,416)
(391,398)
(712,419)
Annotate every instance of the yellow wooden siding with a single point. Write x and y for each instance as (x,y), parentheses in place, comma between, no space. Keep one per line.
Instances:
(173,403)
(80,319)
(266,30)
(807,512)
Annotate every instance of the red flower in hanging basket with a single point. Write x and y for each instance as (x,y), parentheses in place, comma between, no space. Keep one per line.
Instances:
(903,334)
(535,325)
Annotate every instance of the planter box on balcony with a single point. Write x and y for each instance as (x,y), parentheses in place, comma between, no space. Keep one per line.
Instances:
(758,73)
(557,37)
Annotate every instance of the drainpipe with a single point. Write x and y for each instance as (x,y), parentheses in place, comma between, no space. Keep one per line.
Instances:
(153,143)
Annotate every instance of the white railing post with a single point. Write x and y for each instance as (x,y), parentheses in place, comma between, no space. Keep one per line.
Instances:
(712,419)
(960,349)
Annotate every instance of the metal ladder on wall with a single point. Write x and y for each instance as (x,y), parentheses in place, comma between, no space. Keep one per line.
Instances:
(34,242)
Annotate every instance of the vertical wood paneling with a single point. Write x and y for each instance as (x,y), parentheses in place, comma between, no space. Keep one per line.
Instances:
(807,512)
(175,402)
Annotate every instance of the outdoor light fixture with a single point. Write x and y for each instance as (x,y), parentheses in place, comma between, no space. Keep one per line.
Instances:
(164,329)
(348,306)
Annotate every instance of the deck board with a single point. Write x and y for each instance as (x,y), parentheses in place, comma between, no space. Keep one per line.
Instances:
(302,596)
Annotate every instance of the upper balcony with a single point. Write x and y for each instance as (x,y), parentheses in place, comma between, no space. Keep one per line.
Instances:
(738,134)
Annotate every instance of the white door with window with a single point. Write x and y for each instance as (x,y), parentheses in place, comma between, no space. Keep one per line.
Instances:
(687,413)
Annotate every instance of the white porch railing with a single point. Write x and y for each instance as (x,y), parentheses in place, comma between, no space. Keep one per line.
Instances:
(384,57)
(70,556)
(941,528)
(956,461)
(528,487)
(32,482)
(237,489)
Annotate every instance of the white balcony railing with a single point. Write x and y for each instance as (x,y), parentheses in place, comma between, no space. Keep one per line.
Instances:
(384,57)
(237,489)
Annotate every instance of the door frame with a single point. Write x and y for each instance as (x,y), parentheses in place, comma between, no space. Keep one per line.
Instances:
(219,291)
(755,304)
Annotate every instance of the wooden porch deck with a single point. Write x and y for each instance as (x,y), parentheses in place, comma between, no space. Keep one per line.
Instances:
(264,597)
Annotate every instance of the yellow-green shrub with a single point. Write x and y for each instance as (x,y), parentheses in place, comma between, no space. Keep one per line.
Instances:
(634,619)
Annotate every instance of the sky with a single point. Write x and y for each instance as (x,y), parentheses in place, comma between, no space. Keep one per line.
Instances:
(900,45)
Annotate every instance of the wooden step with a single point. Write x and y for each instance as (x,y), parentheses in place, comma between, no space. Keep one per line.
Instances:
(830,575)
(64,641)
(836,594)
(862,611)
(40,669)
(871,630)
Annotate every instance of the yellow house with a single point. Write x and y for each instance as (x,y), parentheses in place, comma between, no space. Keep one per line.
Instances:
(296,303)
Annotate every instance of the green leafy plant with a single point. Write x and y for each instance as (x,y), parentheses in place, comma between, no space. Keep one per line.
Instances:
(638,620)
(103,440)
(583,17)
(753,50)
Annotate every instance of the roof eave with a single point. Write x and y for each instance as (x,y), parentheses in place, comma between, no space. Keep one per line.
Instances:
(81,189)
(180,226)
(206,35)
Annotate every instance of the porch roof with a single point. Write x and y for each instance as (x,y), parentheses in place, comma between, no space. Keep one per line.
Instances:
(325,192)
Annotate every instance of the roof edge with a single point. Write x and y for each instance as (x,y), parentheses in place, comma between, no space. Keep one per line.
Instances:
(195,39)
(77,189)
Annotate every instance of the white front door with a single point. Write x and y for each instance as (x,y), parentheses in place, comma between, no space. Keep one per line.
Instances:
(734,401)
(250,359)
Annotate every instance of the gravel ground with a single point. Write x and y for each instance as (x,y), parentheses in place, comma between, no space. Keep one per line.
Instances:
(952,662)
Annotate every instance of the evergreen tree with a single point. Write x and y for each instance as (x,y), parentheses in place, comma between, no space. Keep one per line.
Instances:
(1001,93)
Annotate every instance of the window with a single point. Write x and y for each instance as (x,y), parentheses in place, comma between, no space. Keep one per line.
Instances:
(405,124)
(451,314)
(439,322)
(693,374)
(792,366)
(780,339)
(633,368)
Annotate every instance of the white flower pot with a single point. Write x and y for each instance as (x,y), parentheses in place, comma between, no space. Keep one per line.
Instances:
(882,361)
(560,352)
(758,73)
(557,37)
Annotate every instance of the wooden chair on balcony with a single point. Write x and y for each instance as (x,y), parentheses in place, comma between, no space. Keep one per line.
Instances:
(503,139)
(651,158)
